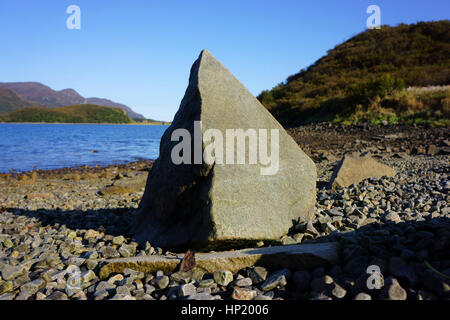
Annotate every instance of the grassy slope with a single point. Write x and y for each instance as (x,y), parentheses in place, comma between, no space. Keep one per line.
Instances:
(10,101)
(84,113)
(365,76)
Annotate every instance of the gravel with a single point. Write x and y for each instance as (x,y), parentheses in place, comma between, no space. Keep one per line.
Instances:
(51,246)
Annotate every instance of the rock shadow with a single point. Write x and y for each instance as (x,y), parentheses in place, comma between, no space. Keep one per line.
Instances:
(404,251)
(115,221)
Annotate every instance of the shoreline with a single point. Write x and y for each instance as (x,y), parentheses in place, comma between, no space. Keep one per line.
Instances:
(70,219)
(78,220)
(321,141)
(79,168)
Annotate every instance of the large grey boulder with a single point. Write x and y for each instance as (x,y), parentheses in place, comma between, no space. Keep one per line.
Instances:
(203,205)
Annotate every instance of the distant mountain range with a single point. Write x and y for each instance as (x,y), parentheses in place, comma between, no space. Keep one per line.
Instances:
(11,100)
(17,95)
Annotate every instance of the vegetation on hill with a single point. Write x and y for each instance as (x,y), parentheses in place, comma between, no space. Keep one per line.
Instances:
(42,95)
(37,94)
(10,101)
(83,113)
(364,79)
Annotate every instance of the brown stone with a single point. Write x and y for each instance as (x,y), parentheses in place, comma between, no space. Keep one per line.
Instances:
(126,185)
(354,169)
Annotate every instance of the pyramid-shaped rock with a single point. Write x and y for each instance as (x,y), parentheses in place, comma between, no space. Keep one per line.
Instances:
(218,203)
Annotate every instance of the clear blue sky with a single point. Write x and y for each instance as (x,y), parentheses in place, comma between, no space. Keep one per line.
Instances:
(139,52)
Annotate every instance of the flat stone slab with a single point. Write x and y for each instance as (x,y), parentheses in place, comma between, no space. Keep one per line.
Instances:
(352,169)
(294,257)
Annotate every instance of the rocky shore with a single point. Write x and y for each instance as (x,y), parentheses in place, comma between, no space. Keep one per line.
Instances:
(57,227)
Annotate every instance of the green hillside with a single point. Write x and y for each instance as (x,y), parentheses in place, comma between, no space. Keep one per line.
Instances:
(83,113)
(364,79)
(10,101)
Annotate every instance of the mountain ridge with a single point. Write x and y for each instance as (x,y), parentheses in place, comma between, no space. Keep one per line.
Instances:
(9,99)
(38,94)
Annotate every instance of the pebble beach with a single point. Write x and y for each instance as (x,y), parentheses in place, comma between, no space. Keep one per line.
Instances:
(58,226)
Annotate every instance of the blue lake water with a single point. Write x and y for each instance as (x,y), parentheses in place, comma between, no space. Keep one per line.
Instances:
(26,147)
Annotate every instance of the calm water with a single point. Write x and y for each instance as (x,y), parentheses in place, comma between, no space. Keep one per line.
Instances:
(48,146)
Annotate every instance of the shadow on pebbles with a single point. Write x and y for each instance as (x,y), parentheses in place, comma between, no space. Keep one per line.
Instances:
(54,233)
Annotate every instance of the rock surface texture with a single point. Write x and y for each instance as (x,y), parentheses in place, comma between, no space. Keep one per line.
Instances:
(353,169)
(293,256)
(210,205)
